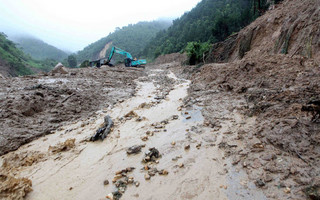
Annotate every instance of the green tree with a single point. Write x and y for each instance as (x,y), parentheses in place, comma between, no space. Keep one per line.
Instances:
(72,61)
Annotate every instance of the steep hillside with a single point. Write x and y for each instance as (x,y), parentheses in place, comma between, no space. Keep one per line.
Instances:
(14,62)
(291,29)
(132,38)
(210,21)
(38,49)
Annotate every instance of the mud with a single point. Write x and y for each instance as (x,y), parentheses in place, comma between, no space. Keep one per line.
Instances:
(177,146)
(257,105)
(34,106)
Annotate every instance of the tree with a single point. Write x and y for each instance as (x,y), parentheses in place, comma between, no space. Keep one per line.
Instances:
(72,61)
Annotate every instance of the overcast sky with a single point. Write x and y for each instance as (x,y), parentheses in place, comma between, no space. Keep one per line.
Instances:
(73,24)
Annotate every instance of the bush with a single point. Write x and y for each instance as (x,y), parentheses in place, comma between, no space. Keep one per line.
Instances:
(196,51)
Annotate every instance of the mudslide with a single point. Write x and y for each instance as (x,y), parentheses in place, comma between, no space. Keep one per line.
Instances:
(190,165)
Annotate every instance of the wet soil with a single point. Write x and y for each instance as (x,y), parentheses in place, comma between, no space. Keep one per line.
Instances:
(33,106)
(191,164)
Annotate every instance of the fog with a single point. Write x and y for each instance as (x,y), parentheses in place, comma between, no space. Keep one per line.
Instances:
(71,25)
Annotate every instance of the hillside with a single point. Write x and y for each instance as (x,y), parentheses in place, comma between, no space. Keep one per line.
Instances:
(38,49)
(13,62)
(132,38)
(210,21)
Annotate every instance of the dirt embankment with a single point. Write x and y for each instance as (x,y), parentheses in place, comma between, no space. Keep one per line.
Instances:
(267,101)
(291,28)
(33,106)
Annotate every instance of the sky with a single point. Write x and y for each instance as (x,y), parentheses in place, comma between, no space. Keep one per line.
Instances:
(73,24)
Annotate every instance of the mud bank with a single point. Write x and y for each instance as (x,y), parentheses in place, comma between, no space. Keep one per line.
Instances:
(33,106)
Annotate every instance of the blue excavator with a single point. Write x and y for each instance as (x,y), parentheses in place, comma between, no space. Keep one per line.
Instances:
(128,61)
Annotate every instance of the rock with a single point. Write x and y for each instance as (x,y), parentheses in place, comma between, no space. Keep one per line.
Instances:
(151,155)
(159,127)
(144,138)
(181,165)
(59,69)
(147,176)
(259,183)
(175,117)
(198,146)
(134,149)
(187,147)
(189,117)
(173,143)
(137,183)
(106,182)
(287,190)
(163,172)
(110,196)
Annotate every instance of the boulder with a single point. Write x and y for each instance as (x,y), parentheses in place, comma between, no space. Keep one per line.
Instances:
(59,69)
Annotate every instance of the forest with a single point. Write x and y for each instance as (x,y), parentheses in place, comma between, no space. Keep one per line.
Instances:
(209,22)
(132,38)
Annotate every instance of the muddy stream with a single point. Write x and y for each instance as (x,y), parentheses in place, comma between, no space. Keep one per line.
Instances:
(79,171)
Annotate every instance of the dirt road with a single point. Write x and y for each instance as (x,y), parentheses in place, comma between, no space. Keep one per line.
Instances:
(65,165)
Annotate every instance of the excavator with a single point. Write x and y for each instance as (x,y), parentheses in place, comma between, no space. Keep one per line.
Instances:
(128,61)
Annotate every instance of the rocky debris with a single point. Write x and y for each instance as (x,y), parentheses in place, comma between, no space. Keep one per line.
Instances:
(313,192)
(14,188)
(14,161)
(59,69)
(103,132)
(130,115)
(49,102)
(152,155)
(121,181)
(135,149)
(61,147)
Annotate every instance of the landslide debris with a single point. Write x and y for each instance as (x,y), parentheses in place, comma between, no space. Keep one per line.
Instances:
(14,188)
(291,27)
(267,97)
(32,106)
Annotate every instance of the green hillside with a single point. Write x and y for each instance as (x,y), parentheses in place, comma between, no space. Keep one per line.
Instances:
(16,63)
(209,22)
(38,49)
(132,38)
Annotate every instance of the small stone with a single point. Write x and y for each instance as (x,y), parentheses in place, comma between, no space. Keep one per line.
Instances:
(181,165)
(163,172)
(144,138)
(175,117)
(110,196)
(137,183)
(106,182)
(198,146)
(146,167)
(259,183)
(70,188)
(186,113)
(225,187)
(147,176)
(130,180)
(173,143)
(189,117)
(187,147)
(287,190)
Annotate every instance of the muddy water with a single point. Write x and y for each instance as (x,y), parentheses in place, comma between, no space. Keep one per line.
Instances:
(80,172)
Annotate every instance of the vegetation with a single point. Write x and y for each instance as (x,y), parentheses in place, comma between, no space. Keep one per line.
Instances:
(18,62)
(131,38)
(39,50)
(209,22)
(72,61)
